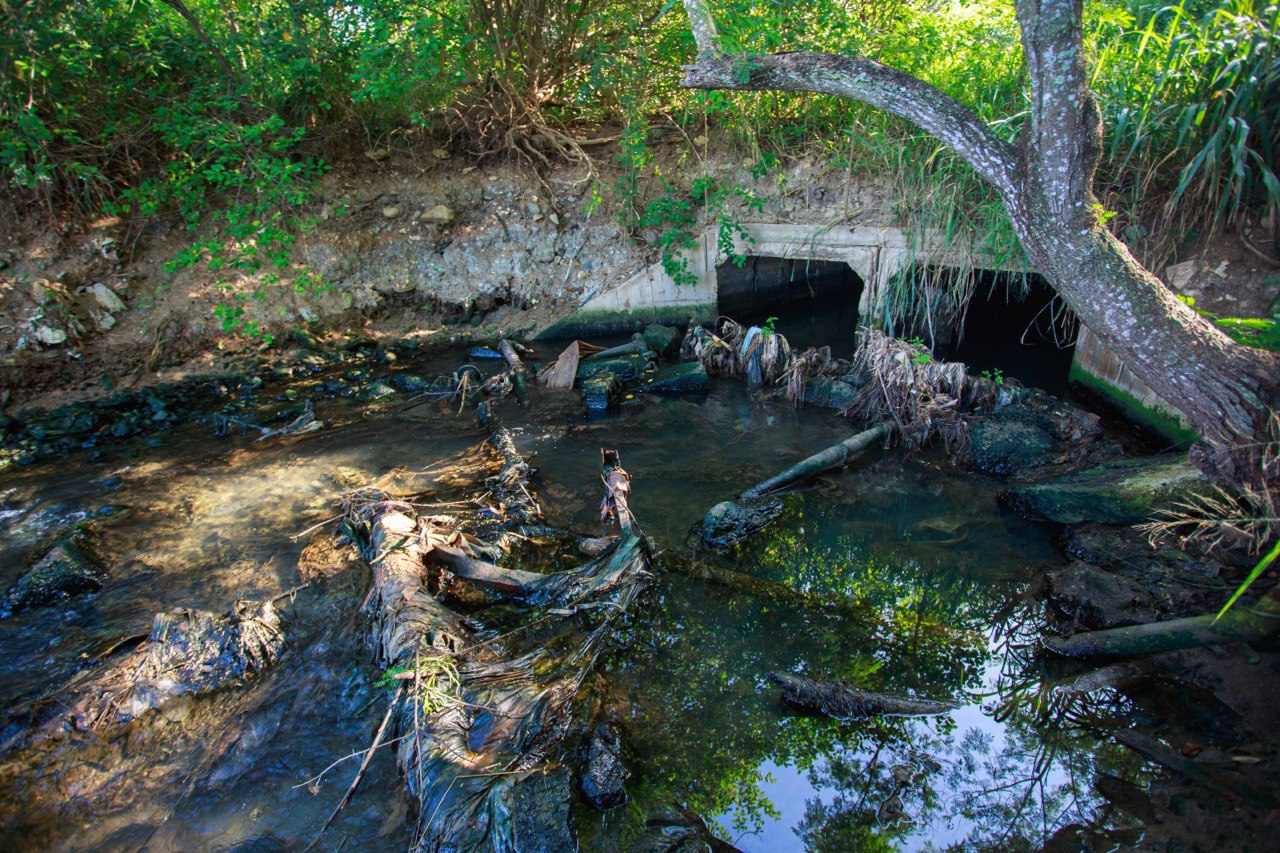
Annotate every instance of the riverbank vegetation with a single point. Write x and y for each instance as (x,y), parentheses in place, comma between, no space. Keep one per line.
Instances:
(225,114)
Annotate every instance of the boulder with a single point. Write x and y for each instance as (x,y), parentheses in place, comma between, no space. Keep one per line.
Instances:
(1126,491)
(687,376)
(729,521)
(602,391)
(540,813)
(663,340)
(377,390)
(602,777)
(625,367)
(106,298)
(69,568)
(1099,599)
(1011,441)
(832,393)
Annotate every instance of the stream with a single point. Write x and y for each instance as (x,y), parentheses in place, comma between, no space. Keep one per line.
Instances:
(933,578)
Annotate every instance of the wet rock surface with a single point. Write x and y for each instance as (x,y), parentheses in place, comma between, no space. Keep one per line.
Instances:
(729,521)
(1096,598)
(69,568)
(1126,491)
(540,807)
(1012,441)
(602,775)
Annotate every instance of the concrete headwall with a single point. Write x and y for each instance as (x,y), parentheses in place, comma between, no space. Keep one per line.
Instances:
(875,253)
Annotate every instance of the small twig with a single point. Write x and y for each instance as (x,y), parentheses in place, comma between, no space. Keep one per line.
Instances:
(364,765)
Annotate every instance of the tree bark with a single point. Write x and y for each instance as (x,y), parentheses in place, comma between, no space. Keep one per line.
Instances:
(1224,389)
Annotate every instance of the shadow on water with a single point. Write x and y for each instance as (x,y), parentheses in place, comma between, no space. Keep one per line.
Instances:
(933,572)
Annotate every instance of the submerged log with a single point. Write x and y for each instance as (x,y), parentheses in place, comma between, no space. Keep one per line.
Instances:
(1113,675)
(1204,774)
(842,700)
(510,486)
(770,591)
(1238,625)
(834,456)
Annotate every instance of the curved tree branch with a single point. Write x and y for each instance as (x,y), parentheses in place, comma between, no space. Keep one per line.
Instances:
(865,80)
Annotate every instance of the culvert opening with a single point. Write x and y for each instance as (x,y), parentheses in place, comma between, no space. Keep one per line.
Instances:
(815,302)
(1023,331)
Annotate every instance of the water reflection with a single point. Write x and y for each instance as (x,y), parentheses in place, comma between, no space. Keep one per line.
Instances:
(928,571)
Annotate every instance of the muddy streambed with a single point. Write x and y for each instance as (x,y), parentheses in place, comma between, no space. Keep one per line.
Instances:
(929,577)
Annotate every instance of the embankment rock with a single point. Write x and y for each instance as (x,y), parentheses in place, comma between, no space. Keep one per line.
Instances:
(1126,491)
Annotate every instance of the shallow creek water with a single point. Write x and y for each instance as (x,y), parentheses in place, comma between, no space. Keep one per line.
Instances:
(933,572)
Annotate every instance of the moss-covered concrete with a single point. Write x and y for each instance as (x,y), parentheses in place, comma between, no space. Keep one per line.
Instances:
(597,322)
(1127,491)
(1159,421)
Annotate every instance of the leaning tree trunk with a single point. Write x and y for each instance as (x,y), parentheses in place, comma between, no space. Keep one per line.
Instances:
(1224,389)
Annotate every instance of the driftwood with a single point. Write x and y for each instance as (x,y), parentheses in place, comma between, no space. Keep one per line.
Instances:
(832,457)
(1113,675)
(519,376)
(634,346)
(510,486)
(1238,625)
(842,700)
(617,490)
(483,716)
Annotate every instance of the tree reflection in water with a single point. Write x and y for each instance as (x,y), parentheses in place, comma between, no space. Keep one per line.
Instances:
(1012,765)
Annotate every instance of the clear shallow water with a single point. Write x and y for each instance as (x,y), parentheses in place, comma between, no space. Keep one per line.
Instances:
(930,568)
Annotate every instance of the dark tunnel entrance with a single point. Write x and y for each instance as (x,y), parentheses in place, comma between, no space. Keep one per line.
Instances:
(816,302)
(1023,331)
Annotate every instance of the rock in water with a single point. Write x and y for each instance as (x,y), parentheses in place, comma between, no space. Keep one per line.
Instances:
(603,775)
(663,340)
(602,391)
(1011,441)
(194,651)
(689,376)
(842,700)
(832,393)
(540,814)
(626,367)
(728,521)
(1127,491)
(1098,598)
(69,568)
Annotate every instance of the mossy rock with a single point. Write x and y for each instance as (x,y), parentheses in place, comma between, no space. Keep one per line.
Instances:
(831,393)
(686,377)
(602,391)
(663,340)
(625,367)
(1126,491)
(1011,442)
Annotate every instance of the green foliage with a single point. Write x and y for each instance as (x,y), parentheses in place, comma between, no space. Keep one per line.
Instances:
(218,116)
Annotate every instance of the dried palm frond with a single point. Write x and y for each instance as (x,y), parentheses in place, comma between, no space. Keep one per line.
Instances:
(804,369)
(927,399)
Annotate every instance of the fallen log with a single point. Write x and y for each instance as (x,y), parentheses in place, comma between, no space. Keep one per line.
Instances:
(842,700)
(1113,675)
(1238,625)
(834,456)
(483,717)
(486,574)
(635,346)
(769,591)
(519,376)
(510,486)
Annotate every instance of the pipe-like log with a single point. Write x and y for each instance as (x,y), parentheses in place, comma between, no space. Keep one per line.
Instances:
(837,455)
(1237,625)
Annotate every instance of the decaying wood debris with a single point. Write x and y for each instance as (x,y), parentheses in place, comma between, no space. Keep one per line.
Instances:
(842,700)
(927,399)
(833,457)
(484,714)
(563,372)
(188,652)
